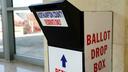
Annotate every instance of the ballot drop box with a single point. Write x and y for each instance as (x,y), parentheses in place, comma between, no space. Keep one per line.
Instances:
(78,41)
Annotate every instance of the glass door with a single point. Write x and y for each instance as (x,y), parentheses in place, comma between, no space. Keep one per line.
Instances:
(28,35)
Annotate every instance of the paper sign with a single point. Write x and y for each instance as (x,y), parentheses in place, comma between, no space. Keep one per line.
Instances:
(52,18)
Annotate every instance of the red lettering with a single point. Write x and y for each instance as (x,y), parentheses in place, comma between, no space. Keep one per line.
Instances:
(93,39)
(101,39)
(103,61)
(109,34)
(62,71)
(99,65)
(101,50)
(88,39)
(92,54)
(105,48)
(95,67)
(57,22)
(97,37)
(105,35)
(97,52)
(59,70)
(52,21)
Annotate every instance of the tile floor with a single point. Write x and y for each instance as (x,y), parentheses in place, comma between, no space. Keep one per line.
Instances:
(16,66)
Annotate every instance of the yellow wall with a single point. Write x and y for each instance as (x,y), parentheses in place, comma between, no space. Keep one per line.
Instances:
(120,34)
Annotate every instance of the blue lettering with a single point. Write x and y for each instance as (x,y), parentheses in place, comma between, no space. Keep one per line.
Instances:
(51,14)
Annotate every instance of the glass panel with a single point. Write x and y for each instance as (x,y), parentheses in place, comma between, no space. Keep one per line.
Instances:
(23,3)
(1,35)
(29,37)
(1,32)
(0,5)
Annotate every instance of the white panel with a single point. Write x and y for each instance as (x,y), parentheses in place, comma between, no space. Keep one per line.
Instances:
(72,60)
(98,40)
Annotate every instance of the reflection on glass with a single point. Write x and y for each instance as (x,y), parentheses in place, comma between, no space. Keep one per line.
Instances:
(29,37)
(23,3)
(1,35)
(25,23)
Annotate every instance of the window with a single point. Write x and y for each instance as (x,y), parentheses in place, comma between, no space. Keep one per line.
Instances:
(29,37)
(1,32)
(24,3)
(1,35)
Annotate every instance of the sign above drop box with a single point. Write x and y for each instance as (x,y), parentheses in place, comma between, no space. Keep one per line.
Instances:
(52,18)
